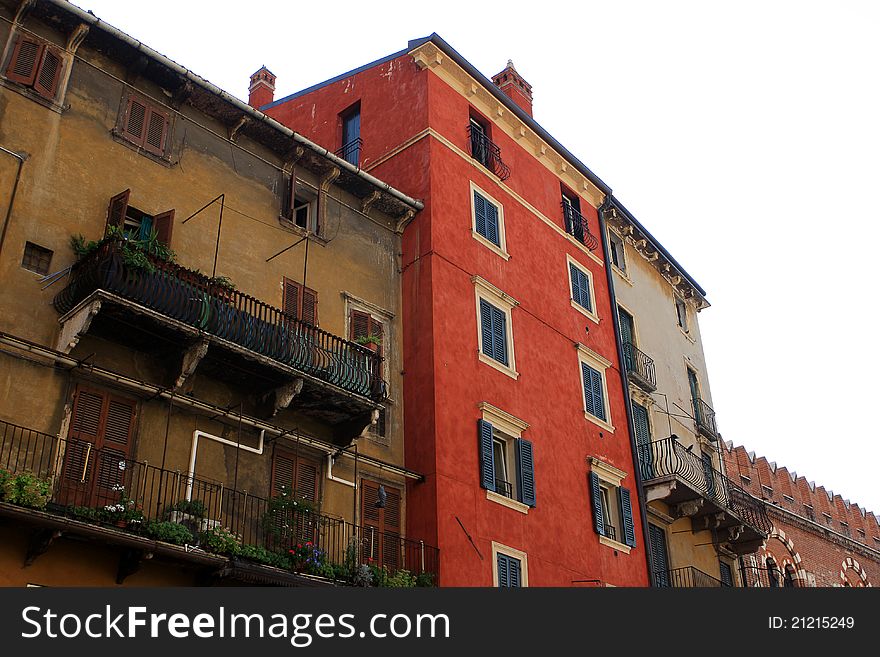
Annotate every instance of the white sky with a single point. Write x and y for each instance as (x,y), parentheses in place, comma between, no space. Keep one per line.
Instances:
(743,135)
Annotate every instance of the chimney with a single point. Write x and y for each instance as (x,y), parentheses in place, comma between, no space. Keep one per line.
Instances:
(513,86)
(262,89)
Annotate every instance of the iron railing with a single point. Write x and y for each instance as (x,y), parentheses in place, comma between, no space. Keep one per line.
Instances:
(668,457)
(688,577)
(610,532)
(487,153)
(351,152)
(754,576)
(640,364)
(194,299)
(503,488)
(85,480)
(576,226)
(705,417)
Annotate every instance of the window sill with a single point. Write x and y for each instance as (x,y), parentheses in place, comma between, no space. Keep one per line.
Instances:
(504,369)
(610,542)
(620,272)
(506,501)
(490,245)
(287,224)
(164,160)
(598,422)
(27,92)
(687,335)
(590,315)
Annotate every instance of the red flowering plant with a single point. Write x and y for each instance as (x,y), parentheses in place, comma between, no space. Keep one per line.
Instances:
(307,557)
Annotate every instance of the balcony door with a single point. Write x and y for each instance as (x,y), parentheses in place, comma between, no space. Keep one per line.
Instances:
(627,337)
(380,525)
(659,556)
(643,440)
(695,395)
(98,448)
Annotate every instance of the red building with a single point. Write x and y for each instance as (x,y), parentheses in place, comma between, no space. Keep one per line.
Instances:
(514,401)
(817,538)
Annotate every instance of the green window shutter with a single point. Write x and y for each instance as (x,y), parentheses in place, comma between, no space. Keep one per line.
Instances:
(640,420)
(525,472)
(626,516)
(596,499)
(487,458)
(659,557)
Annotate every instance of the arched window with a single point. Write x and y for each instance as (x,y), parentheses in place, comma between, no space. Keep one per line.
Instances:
(772,573)
(788,576)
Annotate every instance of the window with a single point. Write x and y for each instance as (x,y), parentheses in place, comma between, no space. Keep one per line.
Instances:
(380,520)
(659,555)
(145,125)
(726,573)
(35,65)
(581,287)
(681,314)
(510,567)
(495,332)
(488,221)
(616,251)
(828,519)
(480,141)
(297,479)
(506,464)
(772,573)
(298,207)
(136,224)
(36,258)
(788,576)
(592,373)
(366,330)
(351,135)
(810,513)
(300,302)
(612,505)
(844,529)
(575,224)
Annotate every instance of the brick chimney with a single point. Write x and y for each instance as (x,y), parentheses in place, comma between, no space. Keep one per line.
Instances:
(513,85)
(262,89)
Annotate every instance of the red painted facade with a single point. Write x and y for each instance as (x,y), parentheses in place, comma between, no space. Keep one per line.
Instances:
(444,379)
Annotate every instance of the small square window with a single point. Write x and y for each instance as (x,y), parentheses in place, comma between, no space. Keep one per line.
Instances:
(145,124)
(616,251)
(612,505)
(581,288)
(506,464)
(808,510)
(36,258)
(681,314)
(493,327)
(36,65)
(487,221)
(510,566)
(594,391)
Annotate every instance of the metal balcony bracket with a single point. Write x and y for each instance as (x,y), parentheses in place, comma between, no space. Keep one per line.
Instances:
(39,542)
(347,432)
(688,509)
(130,561)
(75,324)
(281,397)
(190,361)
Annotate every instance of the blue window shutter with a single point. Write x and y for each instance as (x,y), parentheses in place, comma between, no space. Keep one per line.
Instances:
(514,579)
(580,287)
(487,456)
(499,329)
(640,420)
(626,517)
(492,232)
(480,214)
(596,498)
(503,571)
(486,328)
(593,395)
(525,472)
(575,283)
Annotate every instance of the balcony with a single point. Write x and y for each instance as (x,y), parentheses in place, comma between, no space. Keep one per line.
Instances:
(705,418)
(691,487)
(146,510)
(688,577)
(164,308)
(487,153)
(576,226)
(758,577)
(639,367)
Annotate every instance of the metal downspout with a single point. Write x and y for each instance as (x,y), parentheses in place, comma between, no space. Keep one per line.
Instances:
(637,470)
(21,158)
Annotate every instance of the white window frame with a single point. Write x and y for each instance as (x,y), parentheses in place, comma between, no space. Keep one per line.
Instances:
(500,249)
(681,303)
(509,428)
(500,548)
(385,317)
(591,314)
(600,364)
(483,289)
(610,479)
(612,235)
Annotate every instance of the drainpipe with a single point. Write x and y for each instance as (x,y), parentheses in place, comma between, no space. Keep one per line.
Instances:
(637,470)
(21,158)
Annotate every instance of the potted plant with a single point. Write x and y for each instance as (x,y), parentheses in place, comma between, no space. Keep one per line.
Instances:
(191,514)
(371,341)
(125,513)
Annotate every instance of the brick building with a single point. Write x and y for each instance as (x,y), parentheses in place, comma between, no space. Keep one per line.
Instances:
(818,538)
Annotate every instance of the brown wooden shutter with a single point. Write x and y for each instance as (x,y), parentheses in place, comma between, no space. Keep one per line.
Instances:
(381,525)
(310,306)
(360,324)
(87,409)
(307,480)
(290,301)
(282,472)
(288,195)
(156,131)
(117,209)
(48,73)
(24,61)
(134,122)
(163,224)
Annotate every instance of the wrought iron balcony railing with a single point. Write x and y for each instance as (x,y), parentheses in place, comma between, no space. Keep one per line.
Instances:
(503,488)
(576,226)
(640,365)
(611,532)
(668,457)
(759,577)
(688,577)
(705,418)
(487,153)
(84,481)
(193,299)
(351,152)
